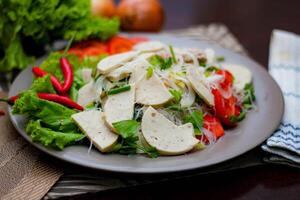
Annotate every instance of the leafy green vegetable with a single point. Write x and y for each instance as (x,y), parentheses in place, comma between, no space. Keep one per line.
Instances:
(174,107)
(41,22)
(177,95)
(50,138)
(202,62)
(150,151)
(249,95)
(210,70)
(236,119)
(52,115)
(128,143)
(126,128)
(91,61)
(149,72)
(43,84)
(196,118)
(158,61)
(126,146)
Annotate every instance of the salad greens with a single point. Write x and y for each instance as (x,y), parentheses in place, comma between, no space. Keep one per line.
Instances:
(177,95)
(41,22)
(50,138)
(128,144)
(162,63)
(50,123)
(196,118)
(126,128)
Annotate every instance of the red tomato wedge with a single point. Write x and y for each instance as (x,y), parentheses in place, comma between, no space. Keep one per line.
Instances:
(228,79)
(224,107)
(91,47)
(212,124)
(136,40)
(119,44)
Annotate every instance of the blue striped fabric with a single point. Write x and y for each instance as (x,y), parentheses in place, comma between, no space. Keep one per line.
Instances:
(284,66)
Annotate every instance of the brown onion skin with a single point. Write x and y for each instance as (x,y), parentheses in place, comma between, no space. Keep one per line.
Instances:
(141,15)
(103,8)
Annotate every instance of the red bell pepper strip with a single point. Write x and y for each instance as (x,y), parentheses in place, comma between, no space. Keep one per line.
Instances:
(60,99)
(68,74)
(55,82)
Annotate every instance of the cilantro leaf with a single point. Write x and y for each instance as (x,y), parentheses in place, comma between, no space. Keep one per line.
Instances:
(158,61)
(150,151)
(177,95)
(196,118)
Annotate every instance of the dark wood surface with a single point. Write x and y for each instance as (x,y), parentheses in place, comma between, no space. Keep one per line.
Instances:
(251,22)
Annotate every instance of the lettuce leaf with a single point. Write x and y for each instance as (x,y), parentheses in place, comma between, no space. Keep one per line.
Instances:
(51,115)
(41,22)
(50,138)
(43,84)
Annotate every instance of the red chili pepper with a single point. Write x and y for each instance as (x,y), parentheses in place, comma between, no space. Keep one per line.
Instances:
(68,74)
(10,100)
(2,112)
(55,82)
(60,99)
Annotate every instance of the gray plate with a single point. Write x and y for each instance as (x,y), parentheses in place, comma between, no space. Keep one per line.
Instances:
(251,132)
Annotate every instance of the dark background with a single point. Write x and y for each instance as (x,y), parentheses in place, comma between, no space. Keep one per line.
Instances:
(252,22)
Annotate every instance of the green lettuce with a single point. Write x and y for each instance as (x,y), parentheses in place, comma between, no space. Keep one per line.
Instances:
(43,84)
(51,115)
(50,138)
(40,22)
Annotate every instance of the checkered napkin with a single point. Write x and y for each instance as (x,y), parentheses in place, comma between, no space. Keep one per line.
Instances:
(284,66)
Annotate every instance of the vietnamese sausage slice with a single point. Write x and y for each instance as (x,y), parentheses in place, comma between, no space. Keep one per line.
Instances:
(165,136)
(93,126)
(128,68)
(86,94)
(199,86)
(119,107)
(112,62)
(152,91)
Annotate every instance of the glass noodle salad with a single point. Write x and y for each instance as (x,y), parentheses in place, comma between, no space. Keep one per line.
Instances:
(150,98)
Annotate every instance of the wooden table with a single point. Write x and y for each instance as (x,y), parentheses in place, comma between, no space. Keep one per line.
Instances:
(252,22)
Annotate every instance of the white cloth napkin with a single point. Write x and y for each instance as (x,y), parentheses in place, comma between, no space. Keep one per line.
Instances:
(284,66)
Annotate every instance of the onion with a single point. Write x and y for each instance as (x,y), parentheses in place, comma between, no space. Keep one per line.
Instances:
(141,15)
(105,8)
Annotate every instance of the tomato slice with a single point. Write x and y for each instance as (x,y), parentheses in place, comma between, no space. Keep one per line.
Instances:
(91,47)
(228,79)
(119,44)
(225,107)
(214,125)
(136,40)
